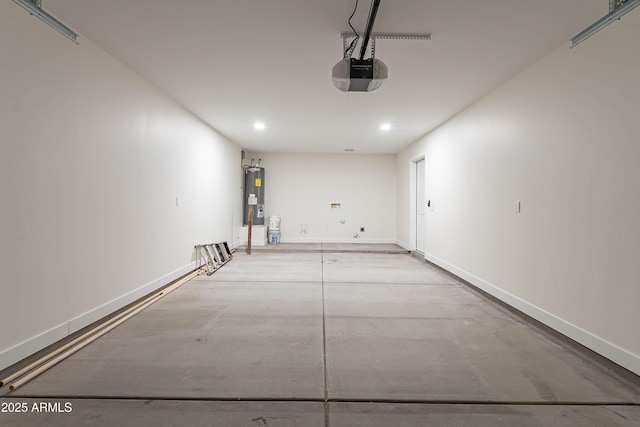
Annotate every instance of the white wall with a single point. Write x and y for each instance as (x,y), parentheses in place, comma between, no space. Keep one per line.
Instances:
(92,158)
(561,137)
(301,187)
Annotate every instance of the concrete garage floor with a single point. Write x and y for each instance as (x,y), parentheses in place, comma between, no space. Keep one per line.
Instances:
(306,335)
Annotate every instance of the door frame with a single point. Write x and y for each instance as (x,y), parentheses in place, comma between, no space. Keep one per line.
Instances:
(413,206)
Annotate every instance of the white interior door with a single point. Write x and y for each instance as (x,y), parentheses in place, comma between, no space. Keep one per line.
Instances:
(421,208)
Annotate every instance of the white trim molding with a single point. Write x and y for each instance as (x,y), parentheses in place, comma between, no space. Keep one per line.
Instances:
(32,345)
(609,350)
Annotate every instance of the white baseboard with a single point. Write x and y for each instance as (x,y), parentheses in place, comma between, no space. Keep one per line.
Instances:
(98,313)
(334,240)
(403,245)
(32,345)
(609,350)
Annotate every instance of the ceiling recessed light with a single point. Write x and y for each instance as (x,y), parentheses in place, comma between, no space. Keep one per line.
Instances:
(385,127)
(259,126)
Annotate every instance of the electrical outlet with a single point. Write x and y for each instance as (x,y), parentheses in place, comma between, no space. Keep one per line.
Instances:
(361,229)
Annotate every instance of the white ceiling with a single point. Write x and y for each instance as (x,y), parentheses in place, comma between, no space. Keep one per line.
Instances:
(233,62)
